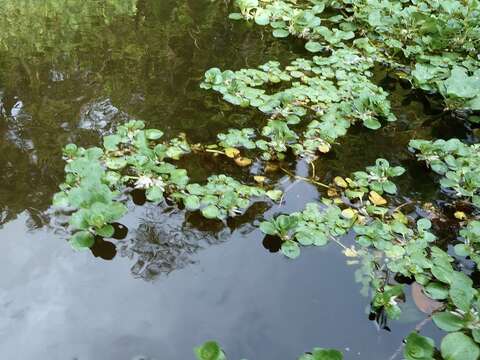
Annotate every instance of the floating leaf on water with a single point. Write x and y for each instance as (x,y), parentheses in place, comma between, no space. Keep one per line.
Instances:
(423,302)
(211,212)
(275,195)
(243,161)
(290,249)
(232,152)
(458,346)
(154,194)
(314,46)
(280,33)
(106,231)
(331,192)
(350,252)
(192,202)
(271,167)
(348,213)
(418,347)
(339,181)
(376,198)
(259,179)
(209,351)
(324,148)
(153,134)
(82,240)
(268,228)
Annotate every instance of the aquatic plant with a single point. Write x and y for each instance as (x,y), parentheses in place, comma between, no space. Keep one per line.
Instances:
(309,104)
(433,44)
(135,157)
(211,350)
(334,91)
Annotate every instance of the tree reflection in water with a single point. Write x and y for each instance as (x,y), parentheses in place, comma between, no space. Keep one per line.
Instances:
(165,241)
(168,239)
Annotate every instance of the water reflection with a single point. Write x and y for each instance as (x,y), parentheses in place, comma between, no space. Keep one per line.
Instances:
(69,71)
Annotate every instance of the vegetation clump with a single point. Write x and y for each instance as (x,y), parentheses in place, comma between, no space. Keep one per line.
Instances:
(308,105)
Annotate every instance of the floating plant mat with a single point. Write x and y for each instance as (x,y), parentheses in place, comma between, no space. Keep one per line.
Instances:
(307,106)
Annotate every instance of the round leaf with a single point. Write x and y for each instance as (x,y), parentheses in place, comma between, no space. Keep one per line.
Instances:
(458,346)
(448,321)
(418,347)
(82,240)
(211,212)
(280,33)
(290,249)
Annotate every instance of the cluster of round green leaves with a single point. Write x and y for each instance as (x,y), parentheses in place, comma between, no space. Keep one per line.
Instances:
(434,43)
(333,92)
(135,157)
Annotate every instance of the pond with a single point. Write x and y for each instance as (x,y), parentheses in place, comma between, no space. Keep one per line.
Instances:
(70,73)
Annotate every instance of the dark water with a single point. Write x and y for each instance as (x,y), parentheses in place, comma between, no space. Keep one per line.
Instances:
(71,70)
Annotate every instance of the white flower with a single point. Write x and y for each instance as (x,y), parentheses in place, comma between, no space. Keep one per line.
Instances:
(143,182)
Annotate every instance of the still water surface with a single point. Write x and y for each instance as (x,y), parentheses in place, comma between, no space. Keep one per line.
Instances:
(70,74)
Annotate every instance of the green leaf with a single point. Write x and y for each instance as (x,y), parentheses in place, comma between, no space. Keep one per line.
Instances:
(436,291)
(116,163)
(211,212)
(372,123)
(462,297)
(448,321)
(458,346)
(280,33)
(82,240)
(106,231)
(460,85)
(111,142)
(313,46)
(268,228)
(389,187)
(311,237)
(154,194)
(423,224)
(209,351)
(235,16)
(326,354)
(418,347)
(192,202)
(262,17)
(275,195)
(60,199)
(153,134)
(290,249)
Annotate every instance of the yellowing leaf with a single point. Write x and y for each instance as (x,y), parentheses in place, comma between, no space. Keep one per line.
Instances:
(348,213)
(399,216)
(243,161)
(460,215)
(339,181)
(259,179)
(376,198)
(271,167)
(324,148)
(332,192)
(232,152)
(350,252)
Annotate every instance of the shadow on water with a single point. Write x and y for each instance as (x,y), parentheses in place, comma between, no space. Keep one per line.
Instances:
(71,73)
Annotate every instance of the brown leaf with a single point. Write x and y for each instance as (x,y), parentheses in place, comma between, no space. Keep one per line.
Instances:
(243,161)
(422,301)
